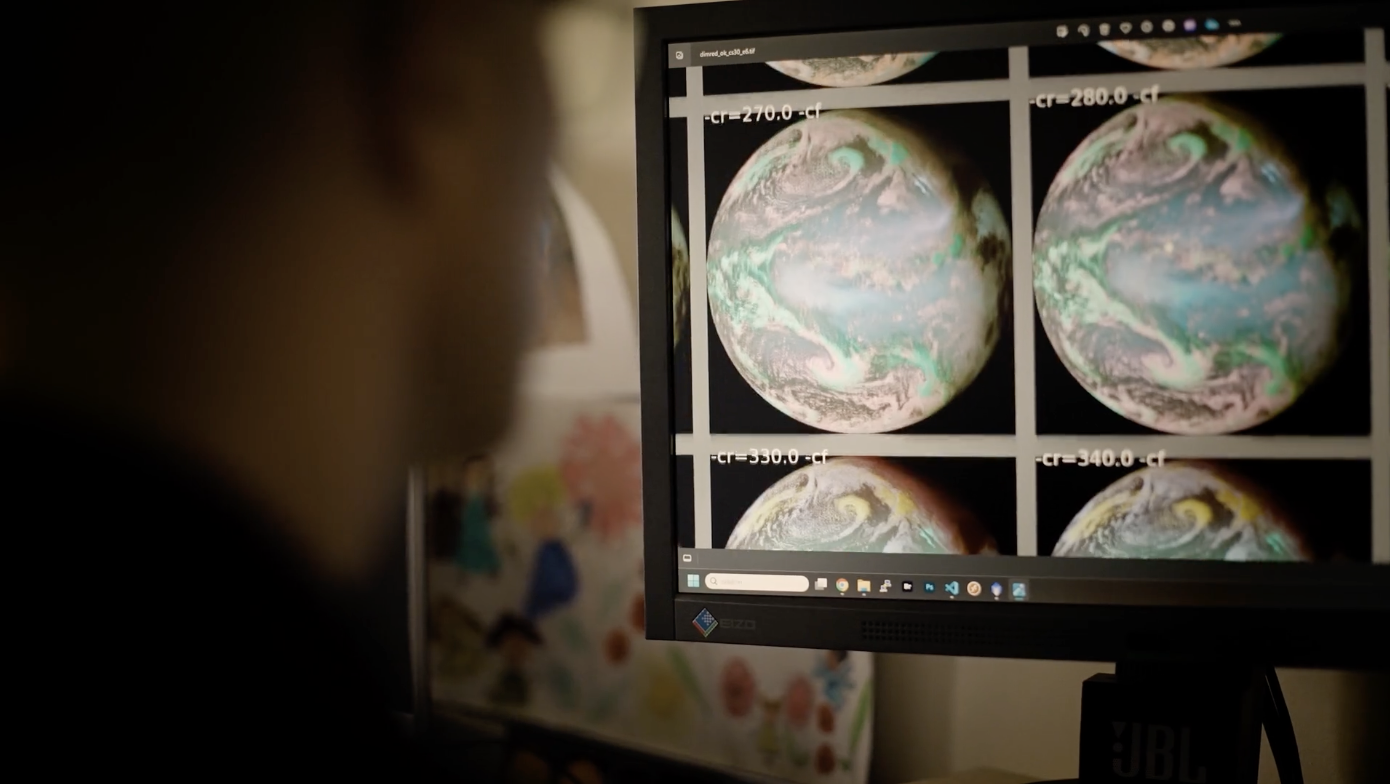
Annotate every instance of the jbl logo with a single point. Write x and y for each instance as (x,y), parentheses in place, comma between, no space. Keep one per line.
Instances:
(1155,752)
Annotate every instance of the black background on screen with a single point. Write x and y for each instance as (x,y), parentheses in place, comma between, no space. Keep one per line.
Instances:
(680,201)
(1332,148)
(944,67)
(1293,49)
(984,485)
(1330,500)
(981,132)
(685,501)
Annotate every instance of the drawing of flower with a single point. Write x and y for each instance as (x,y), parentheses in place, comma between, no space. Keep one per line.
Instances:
(737,688)
(825,759)
(602,469)
(800,699)
(825,718)
(537,490)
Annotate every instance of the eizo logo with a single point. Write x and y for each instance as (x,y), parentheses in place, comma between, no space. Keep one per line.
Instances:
(1149,754)
(705,623)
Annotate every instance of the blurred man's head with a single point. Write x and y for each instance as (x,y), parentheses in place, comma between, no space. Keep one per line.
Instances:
(292,236)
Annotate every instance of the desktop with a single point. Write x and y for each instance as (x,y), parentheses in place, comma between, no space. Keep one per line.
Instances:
(996,329)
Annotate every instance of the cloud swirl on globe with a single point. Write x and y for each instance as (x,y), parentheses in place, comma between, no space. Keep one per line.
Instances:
(858,505)
(680,277)
(857,273)
(1187,511)
(1186,274)
(852,71)
(1201,51)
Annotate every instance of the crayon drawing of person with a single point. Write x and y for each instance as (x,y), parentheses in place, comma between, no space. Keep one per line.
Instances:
(458,637)
(514,638)
(833,670)
(442,523)
(769,742)
(538,498)
(477,553)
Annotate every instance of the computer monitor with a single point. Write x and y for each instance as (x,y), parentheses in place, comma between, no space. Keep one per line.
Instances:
(1017,329)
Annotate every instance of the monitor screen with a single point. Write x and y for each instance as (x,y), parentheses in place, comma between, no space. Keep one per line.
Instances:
(1012,315)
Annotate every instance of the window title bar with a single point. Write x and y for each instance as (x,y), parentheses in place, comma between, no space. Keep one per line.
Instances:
(1003,35)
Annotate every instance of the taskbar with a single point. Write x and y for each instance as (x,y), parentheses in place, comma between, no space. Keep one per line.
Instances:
(1006,580)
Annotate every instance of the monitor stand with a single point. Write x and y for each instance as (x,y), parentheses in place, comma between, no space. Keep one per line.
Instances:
(1195,723)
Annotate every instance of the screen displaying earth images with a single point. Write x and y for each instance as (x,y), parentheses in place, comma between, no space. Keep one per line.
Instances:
(1199,265)
(858,272)
(1199,270)
(1226,510)
(962,506)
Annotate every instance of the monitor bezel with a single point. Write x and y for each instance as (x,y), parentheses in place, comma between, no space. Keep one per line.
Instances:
(1285,637)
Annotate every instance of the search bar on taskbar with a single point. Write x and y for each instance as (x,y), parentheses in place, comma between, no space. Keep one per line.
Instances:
(774,583)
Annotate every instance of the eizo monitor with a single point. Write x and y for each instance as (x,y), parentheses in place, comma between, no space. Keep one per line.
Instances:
(1017,329)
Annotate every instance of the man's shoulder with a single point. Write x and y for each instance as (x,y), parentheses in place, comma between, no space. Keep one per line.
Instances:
(155,604)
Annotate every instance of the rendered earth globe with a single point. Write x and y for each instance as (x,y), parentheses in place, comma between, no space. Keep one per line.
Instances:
(857,273)
(1202,51)
(680,278)
(852,71)
(1188,511)
(1185,273)
(858,505)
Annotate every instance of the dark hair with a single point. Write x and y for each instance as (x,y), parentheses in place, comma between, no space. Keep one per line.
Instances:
(509,625)
(124,118)
(839,656)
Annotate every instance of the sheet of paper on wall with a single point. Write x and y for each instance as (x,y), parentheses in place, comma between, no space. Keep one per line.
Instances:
(586,341)
(536,611)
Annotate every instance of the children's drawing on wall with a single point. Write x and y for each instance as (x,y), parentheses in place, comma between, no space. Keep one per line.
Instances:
(775,704)
(536,581)
(459,638)
(561,309)
(477,552)
(833,671)
(514,639)
(537,500)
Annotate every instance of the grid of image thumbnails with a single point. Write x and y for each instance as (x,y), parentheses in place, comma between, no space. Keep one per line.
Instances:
(1200,269)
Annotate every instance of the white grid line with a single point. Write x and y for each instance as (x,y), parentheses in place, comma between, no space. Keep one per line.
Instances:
(1026,445)
(1235,447)
(879,96)
(699,306)
(1378,213)
(1025,403)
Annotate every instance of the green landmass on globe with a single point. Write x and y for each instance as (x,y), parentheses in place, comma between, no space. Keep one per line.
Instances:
(1185,272)
(858,273)
(1187,511)
(1200,51)
(680,278)
(852,71)
(861,505)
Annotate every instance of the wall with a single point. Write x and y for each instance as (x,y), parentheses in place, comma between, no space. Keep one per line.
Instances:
(935,714)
